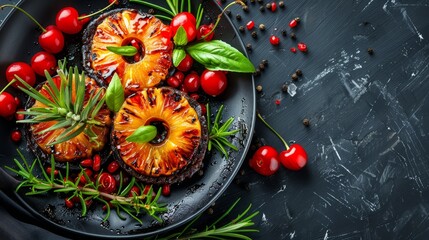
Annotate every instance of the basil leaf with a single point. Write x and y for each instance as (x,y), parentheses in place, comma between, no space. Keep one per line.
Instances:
(128,51)
(217,55)
(181,38)
(115,94)
(142,134)
(178,55)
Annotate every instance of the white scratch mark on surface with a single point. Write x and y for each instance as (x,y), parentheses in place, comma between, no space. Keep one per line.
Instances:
(292,235)
(369,3)
(335,149)
(410,24)
(323,199)
(326,235)
(347,170)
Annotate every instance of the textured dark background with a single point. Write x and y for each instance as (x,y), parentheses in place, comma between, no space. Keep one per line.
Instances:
(368,170)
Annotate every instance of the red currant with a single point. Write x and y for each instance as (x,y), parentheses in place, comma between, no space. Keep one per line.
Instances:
(274,40)
(42,61)
(15,135)
(250,25)
(23,71)
(186,64)
(192,82)
(265,161)
(7,105)
(180,76)
(302,47)
(213,82)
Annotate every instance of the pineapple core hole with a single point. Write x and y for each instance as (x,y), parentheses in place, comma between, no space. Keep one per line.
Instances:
(162,131)
(140,50)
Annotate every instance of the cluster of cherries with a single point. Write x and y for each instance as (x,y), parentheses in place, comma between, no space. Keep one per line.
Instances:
(266,160)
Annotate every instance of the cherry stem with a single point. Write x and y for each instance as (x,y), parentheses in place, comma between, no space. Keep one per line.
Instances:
(97,12)
(274,131)
(222,13)
(26,13)
(8,85)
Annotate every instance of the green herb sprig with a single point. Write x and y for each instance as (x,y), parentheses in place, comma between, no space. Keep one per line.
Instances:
(219,133)
(75,115)
(133,206)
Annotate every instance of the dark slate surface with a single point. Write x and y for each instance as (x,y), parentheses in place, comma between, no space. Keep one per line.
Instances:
(368,170)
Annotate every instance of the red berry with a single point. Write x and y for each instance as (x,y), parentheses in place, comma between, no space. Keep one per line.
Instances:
(146,189)
(96,165)
(292,49)
(7,105)
(19,116)
(203,109)
(188,22)
(278,102)
(42,61)
(15,135)
(166,190)
(180,76)
(213,82)
(192,82)
(186,64)
(49,171)
(86,163)
(273,6)
(302,47)
(194,96)
(264,161)
(294,22)
(69,203)
(67,20)
(173,82)
(250,25)
(52,40)
(295,158)
(205,29)
(22,70)
(107,183)
(113,167)
(274,40)
(134,191)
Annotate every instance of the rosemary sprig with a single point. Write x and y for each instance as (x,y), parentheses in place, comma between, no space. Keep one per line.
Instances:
(133,206)
(65,104)
(234,229)
(219,133)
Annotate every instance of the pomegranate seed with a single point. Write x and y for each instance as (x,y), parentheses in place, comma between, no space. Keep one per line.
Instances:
(277,102)
(294,22)
(146,189)
(166,190)
(135,190)
(19,116)
(203,109)
(88,173)
(250,25)
(105,206)
(113,167)
(49,170)
(273,6)
(292,49)
(88,202)
(116,1)
(15,135)
(302,47)
(69,204)
(274,40)
(86,163)
(96,163)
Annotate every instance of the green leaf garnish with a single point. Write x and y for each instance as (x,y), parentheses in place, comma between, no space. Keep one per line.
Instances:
(180,39)
(178,55)
(128,51)
(143,134)
(115,94)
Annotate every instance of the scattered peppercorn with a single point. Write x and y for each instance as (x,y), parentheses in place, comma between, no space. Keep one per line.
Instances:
(284,87)
(268,6)
(151,11)
(365,23)
(306,122)
(254,34)
(281,4)
(249,47)
(298,72)
(210,211)
(293,36)
(241,28)
(257,72)
(262,8)
(260,1)
(370,51)
(294,76)
(238,17)
(284,33)
(262,66)
(265,62)
(262,27)
(259,88)
(245,8)
(252,1)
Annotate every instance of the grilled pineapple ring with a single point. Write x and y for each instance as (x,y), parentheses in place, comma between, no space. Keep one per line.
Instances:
(126,27)
(178,150)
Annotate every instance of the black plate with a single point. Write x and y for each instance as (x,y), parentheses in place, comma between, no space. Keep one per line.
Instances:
(18,42)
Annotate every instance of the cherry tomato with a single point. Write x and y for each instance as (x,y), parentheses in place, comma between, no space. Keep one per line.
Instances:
(7,105)
(42,61)
(192,82)
(186,64)
(16,135)
(265,161)
(295,158)
(67,20)
(107,183)
(52,40)
(188,21)
(213,82)
(22,70)
(203,30)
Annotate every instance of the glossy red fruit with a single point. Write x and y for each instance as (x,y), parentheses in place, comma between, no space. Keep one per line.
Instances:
(250,25)
(188,21)
(274,40)
(107,183)
(52,40)
(292,49)
(302,47)
(173,82)
(265,161)
(166,190)
(167,32)
(134,191)
(205,29)
(294,22)
(96,164)
(7,105)
(49,171)
(17,101)
(113,167)
(192,82)
(22,70)
(273,6)
(67,20)
(186,64)
(19,116)
(213,83)
(295,158)
(42,61)
(86,163)
(180,76)
(69,203)
(16,135)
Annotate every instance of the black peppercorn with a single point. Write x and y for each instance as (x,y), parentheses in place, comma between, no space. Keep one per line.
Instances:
(284,87)
(306,122)
(254,34)
(265,62)
(260,1)
(281,4)
(262,27)
(294,77)
(293,36)
(259,88)
(249,47)
(262,8)
(268,6)
(245,8)
(370,51)
(284,33)
(298,72)
(238,17)
(257,72)
(151,11)
(262,66)
(241,28)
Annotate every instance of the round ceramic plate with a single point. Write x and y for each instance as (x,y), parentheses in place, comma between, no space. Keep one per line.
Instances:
(18,42)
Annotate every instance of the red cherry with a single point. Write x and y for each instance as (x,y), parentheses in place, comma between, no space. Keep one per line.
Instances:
(42,61)
(113,167)
(67,20)
(302,47)
(22,70)
(52,40)
(294,158)
(192,82)
(274,40)
(7,105)
(173,82)
(15,135)
(187,20)
(166,190)
(186,64)
(265,161)
(294,22)
(250,25)
(213,82)
(107,183)
(205,29)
